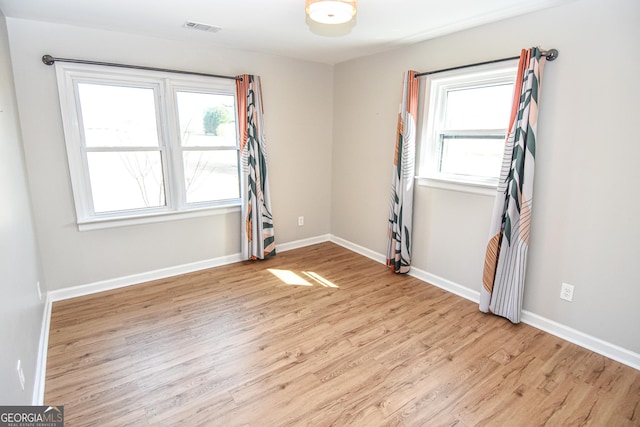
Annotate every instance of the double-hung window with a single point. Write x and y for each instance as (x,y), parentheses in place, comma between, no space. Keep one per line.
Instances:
(466,114)
(146,145)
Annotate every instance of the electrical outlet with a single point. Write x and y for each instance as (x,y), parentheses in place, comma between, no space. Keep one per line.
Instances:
(300,221)
(566,292)
(20,374)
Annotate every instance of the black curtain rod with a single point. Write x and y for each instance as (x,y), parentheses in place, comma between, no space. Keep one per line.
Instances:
(551,55)
(49,60)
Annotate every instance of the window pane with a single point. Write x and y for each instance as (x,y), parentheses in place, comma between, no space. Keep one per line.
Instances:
(118,116)
(487,107)
(473,156)
(126,180)
(211,175)
(206,120)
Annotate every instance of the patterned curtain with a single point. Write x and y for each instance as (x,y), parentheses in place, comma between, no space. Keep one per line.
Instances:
(401,209)
(258,240)
(506,255)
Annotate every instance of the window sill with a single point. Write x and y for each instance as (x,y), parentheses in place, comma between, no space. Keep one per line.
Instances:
(465,187)
(98,224)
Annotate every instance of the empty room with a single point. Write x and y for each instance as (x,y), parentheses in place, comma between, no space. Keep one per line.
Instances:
(320,212)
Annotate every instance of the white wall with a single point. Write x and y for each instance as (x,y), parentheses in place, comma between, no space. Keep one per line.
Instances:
(20,309)
(298,120)
(585,227)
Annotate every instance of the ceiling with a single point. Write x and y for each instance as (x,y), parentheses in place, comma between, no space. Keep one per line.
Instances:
(279,26)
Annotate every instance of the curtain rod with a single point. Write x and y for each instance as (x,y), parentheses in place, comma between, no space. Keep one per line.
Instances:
(49,60)
(551,55)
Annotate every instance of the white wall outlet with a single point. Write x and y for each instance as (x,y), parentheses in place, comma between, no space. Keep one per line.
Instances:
(39,290)
(20,374)
(566,292)
(300,221)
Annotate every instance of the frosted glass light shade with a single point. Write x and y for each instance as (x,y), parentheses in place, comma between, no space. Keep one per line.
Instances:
(331,11)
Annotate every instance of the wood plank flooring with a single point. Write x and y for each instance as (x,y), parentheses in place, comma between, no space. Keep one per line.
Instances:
(345,343)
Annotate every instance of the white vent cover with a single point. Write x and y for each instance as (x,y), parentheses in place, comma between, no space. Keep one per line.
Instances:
(202,27)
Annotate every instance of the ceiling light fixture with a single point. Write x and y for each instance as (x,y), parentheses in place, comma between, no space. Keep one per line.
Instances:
(331,11)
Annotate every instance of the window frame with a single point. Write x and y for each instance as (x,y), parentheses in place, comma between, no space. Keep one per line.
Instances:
(165,86)
(434,92)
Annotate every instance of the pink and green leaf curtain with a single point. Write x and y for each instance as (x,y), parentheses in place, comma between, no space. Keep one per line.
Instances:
(506,253)
(401,208)
(258,241)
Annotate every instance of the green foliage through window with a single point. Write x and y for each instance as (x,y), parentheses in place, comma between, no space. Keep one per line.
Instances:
(213,117)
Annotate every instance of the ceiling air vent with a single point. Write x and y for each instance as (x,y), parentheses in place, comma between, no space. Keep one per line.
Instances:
(202,27)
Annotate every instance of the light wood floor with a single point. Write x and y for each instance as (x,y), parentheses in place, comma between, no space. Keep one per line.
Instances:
(236,345)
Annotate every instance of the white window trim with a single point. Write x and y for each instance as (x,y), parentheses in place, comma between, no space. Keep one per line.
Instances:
(165,86)
(465,187)
(151,218)
(433,90)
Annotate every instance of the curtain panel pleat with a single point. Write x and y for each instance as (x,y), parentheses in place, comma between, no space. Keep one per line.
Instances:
(258,240)
(401,204)
(506,253)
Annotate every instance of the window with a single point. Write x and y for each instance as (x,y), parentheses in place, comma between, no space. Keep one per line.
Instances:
(143,145)
(465,123)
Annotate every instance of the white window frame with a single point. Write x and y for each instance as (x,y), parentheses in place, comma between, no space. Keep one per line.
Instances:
(434,92)
(165,86)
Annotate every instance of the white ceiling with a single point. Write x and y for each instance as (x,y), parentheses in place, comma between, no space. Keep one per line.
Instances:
(279,26)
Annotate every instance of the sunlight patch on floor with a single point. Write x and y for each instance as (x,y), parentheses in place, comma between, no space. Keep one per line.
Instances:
(318,278)
(291,278)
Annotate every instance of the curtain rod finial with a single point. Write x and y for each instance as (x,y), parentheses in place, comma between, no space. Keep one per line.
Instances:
(552,54)
(48,59)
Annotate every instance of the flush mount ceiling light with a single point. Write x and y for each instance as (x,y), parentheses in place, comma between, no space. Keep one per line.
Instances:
(331,11)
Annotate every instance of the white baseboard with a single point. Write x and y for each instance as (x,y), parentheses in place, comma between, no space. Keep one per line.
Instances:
(134,279)
(589,342)
(41,363)
(445,284)
(359,249)
(163,273)
(574,336)
(302,243)
(597,345)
